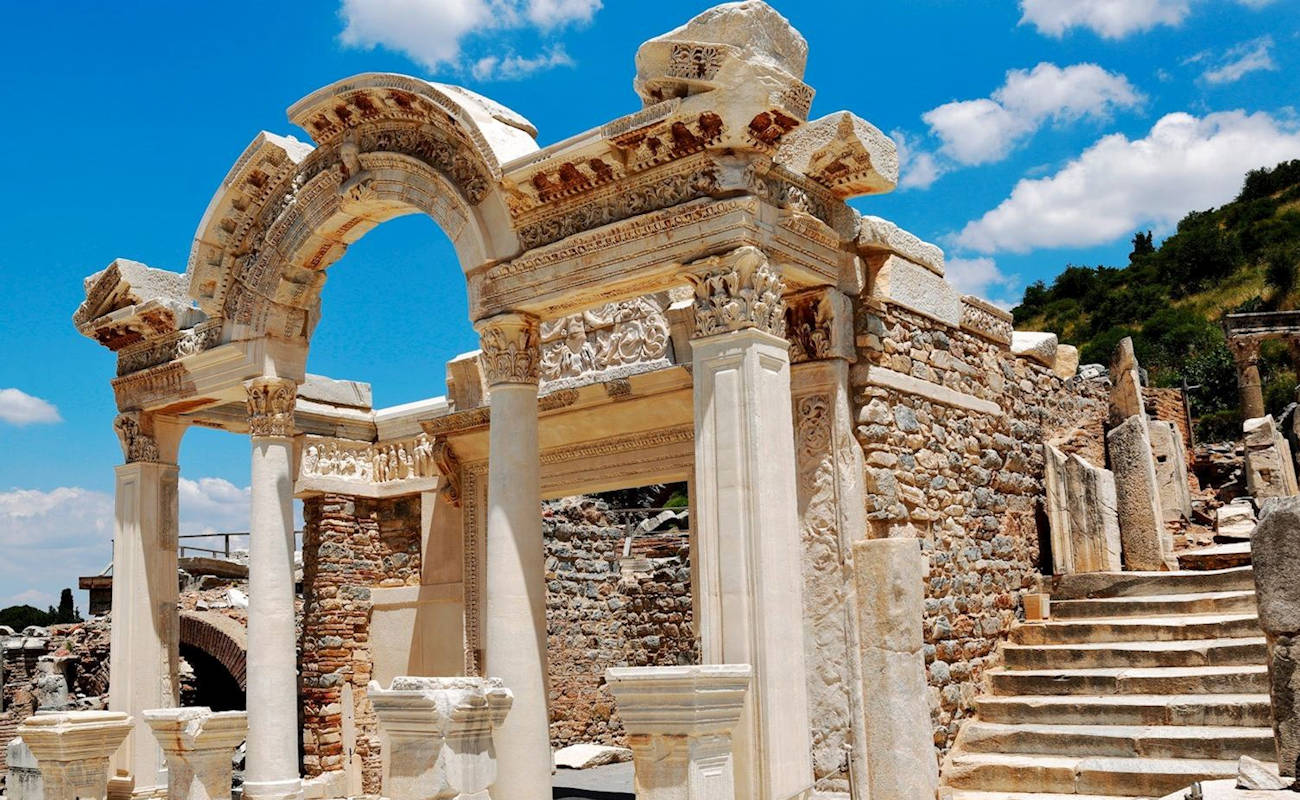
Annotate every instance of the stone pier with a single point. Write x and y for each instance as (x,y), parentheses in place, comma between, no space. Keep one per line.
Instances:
(199,746)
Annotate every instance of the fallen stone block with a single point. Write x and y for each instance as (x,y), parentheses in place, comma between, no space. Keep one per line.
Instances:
(1147,544)
(1036,346)
(586,756)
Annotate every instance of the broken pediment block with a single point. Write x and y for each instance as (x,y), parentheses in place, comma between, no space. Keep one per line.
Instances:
(844,153)
(129,302)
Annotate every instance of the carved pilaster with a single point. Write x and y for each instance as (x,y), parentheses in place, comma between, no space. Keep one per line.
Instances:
(738,290)
(819,325)
(511,348)
(270,407)
(135,433)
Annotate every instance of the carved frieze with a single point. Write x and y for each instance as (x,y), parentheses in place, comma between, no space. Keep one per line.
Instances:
(610,336)
(382,462)
(985,319)
(270,407)
(135,434)
(735,291)
(181,344)
(510,346)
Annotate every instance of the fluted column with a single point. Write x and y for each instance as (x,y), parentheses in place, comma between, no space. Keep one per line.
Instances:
(143,655)
(514,593)
(1245,352)
(751,599)
(272,766)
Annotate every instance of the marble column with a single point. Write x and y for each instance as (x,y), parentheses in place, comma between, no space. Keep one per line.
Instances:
(751,599)
(1245,352)
(143,645)
(514,590)
(272,765)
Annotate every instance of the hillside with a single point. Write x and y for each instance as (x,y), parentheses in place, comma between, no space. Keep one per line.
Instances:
(1242,256)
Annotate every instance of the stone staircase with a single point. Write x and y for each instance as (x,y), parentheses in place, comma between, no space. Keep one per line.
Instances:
(1140,684)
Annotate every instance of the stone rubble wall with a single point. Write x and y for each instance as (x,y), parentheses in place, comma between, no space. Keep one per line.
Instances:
(350,545)
(601,615)
(968,483)
(1169,405)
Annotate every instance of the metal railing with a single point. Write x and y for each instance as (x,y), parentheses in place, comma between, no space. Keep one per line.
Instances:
(225,550)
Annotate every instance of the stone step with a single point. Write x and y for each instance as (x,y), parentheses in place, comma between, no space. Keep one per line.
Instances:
(973,794)
(1096,775)
(1240,601)
(1234,710)
(1131,584)
(1236,679)
(1143,629)
(1216,557)
(1188,653)
(1123,741)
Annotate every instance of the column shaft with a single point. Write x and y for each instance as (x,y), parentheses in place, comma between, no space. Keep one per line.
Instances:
(272,765)
(514,625)
(143,643)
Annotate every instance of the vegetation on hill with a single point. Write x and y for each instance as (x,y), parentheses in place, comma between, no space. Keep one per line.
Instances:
(19,617)
(1242,256)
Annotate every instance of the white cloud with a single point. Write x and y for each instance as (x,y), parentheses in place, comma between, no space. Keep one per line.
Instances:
(213,505)
(1255,3)
(1237,62)
(434,32)
(919,168)
(1112,19)
(19,408)
(988,129)
(1118,185)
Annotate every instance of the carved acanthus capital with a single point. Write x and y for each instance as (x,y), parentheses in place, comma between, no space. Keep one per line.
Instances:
(511,348)
(1245,350)
(135,433)
(270,407)
(449,465)
(819,324)
(736,291)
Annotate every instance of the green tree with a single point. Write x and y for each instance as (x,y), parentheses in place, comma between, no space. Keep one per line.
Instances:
(67,611)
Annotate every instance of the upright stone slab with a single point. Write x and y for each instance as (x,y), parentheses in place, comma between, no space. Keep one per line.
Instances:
(198,745)
(438,736)
(1082,515)
(1171,471)
(24,779)
(1275,554)
(1270,472)
(890,578)
(1146,543)
(72,750)
(679,723)
(1126,383)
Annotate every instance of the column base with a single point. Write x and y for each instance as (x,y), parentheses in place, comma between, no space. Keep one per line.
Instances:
(273,790)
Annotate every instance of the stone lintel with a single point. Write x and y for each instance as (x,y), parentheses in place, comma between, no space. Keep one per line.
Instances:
(889,379)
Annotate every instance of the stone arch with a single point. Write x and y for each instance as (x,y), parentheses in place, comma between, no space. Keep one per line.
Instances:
(385,145)
(220,637)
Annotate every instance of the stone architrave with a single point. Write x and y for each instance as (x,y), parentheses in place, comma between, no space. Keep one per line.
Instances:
(890,578)
(438,735)
(1146,543)
(1270,471)
(679,723)
(1082,512)
(23,781)
(1275,555)
(1171,470)
(198,745)
(72,749)
(1125,384)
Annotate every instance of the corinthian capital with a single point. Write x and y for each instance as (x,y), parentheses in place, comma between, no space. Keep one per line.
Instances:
(511,348)
(736,291)
(1245,349)
(135,433)
(270,407)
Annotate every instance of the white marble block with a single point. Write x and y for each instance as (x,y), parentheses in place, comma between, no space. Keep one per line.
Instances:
(198,745)
(679,722)
(72,750)
(437,736)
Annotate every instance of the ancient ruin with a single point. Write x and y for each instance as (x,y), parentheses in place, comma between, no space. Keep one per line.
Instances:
(878,469)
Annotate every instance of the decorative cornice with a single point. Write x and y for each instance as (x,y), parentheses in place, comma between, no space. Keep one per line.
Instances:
(511,349)
(270,407)
(736,291)
(135,433)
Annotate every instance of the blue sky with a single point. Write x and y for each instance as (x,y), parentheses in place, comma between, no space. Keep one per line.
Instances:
(1037,133)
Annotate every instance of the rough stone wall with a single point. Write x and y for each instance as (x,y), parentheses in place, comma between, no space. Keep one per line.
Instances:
(1169,405)
(605,611)
(350,545)
(969,484)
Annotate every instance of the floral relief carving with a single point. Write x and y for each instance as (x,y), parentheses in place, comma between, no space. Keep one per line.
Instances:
(613,335)
(138,443)
(510,349)
(695,61)
(270,407)
(736,291)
